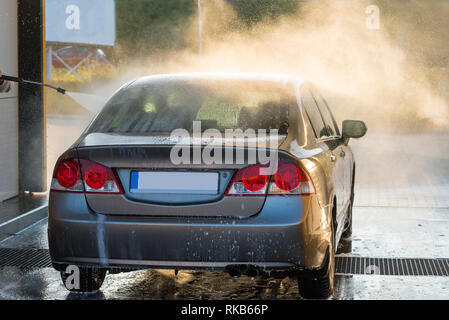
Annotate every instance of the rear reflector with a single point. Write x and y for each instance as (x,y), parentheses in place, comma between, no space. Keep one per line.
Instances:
(289,179)
(252,179)
(74,175)
(68,173)
(67,176)
(249,182)
(95,176)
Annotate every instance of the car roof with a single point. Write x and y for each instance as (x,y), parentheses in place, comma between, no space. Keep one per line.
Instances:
(274,77)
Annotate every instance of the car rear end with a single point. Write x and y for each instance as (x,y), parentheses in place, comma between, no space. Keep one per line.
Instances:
(118,200)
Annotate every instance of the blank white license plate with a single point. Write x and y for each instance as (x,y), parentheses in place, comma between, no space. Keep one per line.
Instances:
(174,182)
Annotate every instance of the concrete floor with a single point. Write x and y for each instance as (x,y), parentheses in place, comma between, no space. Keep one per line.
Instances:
(401,210)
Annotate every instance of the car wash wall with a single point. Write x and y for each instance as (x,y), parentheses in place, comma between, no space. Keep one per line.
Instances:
(22,114)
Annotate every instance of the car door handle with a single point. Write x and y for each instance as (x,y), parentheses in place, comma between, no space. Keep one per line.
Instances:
(333,158)
(342,154)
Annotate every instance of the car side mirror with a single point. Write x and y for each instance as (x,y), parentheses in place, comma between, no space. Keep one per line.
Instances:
(353,129)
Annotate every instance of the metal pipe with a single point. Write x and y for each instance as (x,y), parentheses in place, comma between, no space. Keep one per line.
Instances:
(20,80)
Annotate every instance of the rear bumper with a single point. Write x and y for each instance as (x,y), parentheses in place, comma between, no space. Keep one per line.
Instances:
(287,233)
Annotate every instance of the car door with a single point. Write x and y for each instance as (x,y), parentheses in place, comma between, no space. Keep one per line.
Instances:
(342,152)
(327,140)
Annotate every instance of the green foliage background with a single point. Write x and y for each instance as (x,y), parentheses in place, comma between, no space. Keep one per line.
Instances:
(148,26)
(145,27)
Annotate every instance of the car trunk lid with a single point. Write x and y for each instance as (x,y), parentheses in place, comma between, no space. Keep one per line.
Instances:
(155,186)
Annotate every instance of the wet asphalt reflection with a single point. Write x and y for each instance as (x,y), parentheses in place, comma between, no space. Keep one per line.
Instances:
(193,285)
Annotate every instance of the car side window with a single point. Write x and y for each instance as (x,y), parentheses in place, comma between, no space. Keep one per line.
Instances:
(332,130)
(313,114)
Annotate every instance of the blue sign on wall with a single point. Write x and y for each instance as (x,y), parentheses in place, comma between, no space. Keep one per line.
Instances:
(89,22)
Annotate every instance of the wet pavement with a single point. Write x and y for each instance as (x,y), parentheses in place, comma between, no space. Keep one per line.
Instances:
(401,211)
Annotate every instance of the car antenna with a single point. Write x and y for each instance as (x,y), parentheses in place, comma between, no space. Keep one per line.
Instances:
(20,80)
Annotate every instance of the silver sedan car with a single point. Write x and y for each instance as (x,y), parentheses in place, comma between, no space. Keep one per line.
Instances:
(242,172)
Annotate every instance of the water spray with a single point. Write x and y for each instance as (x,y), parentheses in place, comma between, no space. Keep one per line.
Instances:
(20,80)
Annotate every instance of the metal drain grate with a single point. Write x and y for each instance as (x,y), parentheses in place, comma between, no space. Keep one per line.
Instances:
(40,258)
(25,258)
(392,266)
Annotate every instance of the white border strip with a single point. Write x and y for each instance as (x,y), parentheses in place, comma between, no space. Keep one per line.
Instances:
(23,215)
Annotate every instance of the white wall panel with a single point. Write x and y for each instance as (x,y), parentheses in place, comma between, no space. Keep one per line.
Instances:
(9,184)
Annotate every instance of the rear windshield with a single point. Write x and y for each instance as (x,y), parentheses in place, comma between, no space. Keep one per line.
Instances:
(220,104)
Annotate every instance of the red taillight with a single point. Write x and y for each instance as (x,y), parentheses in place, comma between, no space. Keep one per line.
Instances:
(248,181)
(95,176)
(253,180)
(287,177)
(98,178)
(73,175)
(67,173)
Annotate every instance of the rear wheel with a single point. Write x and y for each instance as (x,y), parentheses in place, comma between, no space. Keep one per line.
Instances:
(319,284)
(347,233)
(90,279)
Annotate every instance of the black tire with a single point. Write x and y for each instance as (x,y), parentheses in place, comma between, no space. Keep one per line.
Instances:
(345,246)
(347,233)
(319,284)
(90,280)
